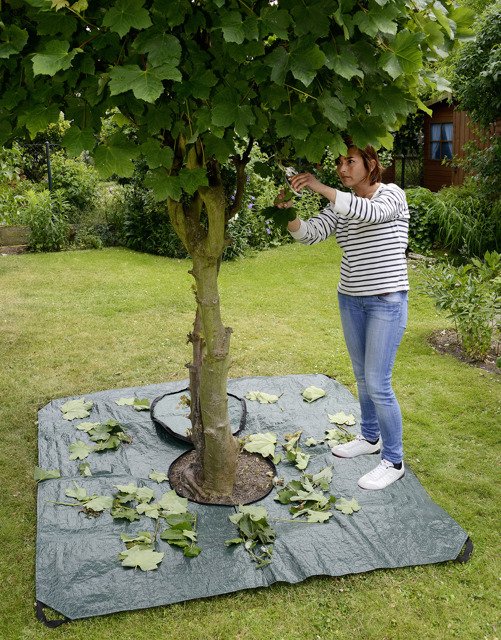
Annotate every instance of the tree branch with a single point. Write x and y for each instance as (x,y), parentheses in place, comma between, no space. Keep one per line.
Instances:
(240,163)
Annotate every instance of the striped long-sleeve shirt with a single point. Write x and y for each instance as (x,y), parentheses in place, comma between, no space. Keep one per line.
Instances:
(373,235)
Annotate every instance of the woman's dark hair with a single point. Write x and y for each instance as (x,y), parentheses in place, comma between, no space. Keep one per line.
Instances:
(368,154)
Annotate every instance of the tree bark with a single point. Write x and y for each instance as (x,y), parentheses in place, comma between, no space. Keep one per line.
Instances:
(217,449)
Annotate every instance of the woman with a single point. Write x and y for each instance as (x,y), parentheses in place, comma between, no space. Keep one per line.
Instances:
(371,226)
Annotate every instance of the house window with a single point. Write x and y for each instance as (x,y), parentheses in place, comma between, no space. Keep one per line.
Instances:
(441,141)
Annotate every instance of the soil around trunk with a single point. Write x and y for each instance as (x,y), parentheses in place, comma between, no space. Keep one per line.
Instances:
(254,479)
(446,341)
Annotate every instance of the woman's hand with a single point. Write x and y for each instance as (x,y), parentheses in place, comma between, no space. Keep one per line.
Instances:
(306,181)
(282,200)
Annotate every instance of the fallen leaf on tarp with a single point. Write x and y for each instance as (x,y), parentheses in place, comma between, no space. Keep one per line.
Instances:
(318,516)
(79,493)
(150,510)
(84,469)
(99,503)
(79,450)
(158,476)
(255,533)
(310,394)
(145,559)
(76,409)
(172,503)
(342,418)
(139,404)
(311,442)
(261,397)
(143,539)
(181,533)
(123,402)
(262,443)
(347,506)
(87,426)
(145,494)
(40,474)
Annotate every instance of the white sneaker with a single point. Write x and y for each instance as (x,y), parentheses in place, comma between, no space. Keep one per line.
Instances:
(358,447)
(382,476)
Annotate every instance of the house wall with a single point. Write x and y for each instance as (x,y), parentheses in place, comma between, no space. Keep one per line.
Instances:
(435,174)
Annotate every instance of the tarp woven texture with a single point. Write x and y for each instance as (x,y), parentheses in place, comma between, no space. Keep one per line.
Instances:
(78,572)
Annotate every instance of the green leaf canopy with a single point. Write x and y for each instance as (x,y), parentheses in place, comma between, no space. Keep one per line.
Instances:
(208,76)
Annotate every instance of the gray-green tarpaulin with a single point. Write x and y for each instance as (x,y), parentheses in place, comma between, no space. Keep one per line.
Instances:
(78,572)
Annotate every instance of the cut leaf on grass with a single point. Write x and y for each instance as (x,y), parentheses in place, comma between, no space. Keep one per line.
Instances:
(158,476)
(76,409)
(45,474)
(347,506)
(312,393)
(262,397)
(79,450)
(262,443)
(342,418)
(145,559)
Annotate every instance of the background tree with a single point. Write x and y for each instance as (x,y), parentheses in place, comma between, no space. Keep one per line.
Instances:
(199,81)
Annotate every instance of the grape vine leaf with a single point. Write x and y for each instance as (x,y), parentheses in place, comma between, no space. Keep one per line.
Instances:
(79,450)
(126,14)
(158,476)
(54,57)
(76,409)
(145,559)
(347,506)
(262,443)
(45,474)
(312,393)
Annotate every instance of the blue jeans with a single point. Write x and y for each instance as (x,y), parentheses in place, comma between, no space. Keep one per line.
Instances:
(373,327)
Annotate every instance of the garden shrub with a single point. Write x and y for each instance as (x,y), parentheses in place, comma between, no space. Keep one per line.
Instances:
(47,218)
(78,183)
(470,294)
(468,222)
(147,226)
(422,226)
(12,206)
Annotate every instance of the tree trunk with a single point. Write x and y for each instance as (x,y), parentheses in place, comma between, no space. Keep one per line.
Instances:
(217,449)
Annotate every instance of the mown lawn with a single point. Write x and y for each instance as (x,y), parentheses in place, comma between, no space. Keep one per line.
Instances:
(77,322)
